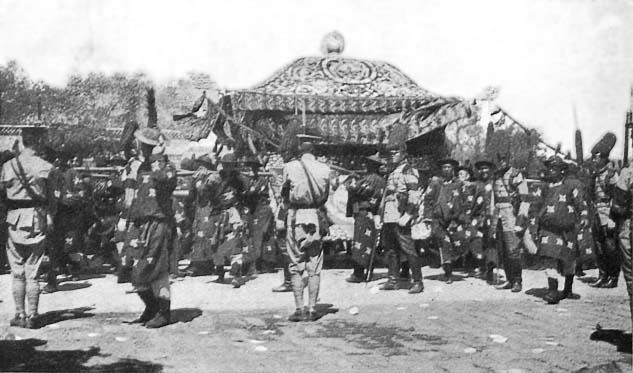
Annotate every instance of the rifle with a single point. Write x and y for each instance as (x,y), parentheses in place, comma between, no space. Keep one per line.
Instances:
(372,255)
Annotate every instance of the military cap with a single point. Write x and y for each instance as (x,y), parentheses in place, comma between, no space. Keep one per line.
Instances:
(556,162)
(485,163)
(205,161)
(375,158)
(465,168)
(188,164)
(450,161)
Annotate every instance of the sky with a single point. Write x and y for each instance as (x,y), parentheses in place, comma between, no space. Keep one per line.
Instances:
(546,56)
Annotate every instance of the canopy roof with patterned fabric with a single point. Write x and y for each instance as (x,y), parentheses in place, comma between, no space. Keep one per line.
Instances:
(333,84)
(345,100)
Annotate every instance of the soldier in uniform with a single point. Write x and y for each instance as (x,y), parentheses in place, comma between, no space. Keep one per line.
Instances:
(200,204)
(481,235)
(71,220)
(365,197)
(511,219)
(305,190)
(464,231)
(31,207)
(261,221)
(604,228)
(151,212)
(225,191)
(443,207)
(564,211)
(400,209)
(622,194)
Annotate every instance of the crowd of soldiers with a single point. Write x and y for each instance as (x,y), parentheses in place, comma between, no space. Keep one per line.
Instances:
(568,217)
(230,215)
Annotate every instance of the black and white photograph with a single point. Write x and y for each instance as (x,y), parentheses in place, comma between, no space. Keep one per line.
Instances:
(316,186)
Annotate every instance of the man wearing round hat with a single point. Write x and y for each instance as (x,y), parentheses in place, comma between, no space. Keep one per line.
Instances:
(200,205)
(151,213)
(443,208)
(604,227)
(463,232)
(510,194)
(72,193)
(481,227)
(365,197)
(262,253)
(226,195)
(400,210)
(564,210)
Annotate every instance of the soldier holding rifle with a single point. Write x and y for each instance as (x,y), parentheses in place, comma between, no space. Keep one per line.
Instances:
(365,196)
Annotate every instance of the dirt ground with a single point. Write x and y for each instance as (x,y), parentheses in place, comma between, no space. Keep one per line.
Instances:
(464,327)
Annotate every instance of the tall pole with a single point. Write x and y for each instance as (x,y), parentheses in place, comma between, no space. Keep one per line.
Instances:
(627,130)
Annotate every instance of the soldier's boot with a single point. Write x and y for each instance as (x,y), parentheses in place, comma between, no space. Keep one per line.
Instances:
(286,286)
(404,271)
(250,269)
(490,274)
(417,287)
(480,269)
(236,272)
(517,286)
(517,281)
(552,296)
(509,271)
(448,273)
(357,276)
(32,321)
(602,279)
(124,273)
(163,316)
(391,284)
(612,282)
(567,292)
(219,270)
(18,321)
(51,282)
(579,269)
(151,307)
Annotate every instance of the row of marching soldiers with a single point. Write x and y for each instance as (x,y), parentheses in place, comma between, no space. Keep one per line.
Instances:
(494,214)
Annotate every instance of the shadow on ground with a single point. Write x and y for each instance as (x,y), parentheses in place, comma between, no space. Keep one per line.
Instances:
(618,338)
(22,356)
(185,314)
(323,309)
(441,277)
(537,292)
(588,280)
(53,317)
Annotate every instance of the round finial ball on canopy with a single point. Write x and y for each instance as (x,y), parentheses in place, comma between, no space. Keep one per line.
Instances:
(333,43)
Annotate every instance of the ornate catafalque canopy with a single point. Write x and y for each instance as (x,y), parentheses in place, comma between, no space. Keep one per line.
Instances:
(343,100)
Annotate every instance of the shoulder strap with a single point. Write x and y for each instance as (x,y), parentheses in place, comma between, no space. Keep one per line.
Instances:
(21,174)
(309,177)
